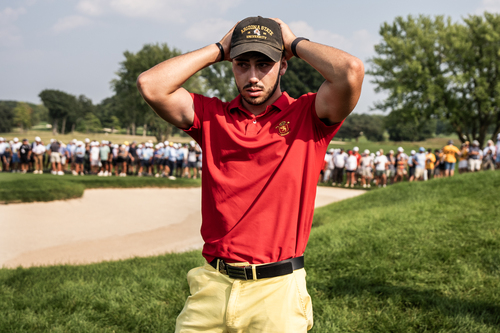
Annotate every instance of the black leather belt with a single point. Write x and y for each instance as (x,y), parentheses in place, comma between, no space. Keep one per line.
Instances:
(253,272)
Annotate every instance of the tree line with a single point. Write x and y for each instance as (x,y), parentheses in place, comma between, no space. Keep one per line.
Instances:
(440,76)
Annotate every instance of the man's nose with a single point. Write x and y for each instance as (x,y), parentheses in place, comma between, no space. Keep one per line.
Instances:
(253,78)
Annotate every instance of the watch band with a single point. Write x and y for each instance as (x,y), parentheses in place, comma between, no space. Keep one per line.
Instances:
(294,45)
(221,49)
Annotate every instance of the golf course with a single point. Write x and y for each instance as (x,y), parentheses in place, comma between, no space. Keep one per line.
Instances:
(412,257)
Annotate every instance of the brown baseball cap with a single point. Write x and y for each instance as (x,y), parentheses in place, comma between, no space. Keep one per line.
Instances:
(257,34)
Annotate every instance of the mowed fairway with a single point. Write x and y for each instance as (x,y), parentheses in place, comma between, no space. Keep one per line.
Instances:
(413,257)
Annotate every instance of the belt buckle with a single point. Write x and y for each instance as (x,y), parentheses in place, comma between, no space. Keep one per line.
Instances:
(236,272)
(222,266)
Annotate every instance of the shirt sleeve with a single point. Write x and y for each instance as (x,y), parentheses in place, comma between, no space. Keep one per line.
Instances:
(323,132)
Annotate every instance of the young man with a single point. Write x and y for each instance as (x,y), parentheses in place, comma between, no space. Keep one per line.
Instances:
(24,155)
(38,151)
(419,161)
(381,166)
(262,155)
(401,161)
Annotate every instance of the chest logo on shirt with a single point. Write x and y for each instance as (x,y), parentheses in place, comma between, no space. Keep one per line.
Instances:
(283,128)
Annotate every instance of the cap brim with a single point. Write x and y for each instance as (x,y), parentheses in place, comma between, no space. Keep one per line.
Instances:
(267,50)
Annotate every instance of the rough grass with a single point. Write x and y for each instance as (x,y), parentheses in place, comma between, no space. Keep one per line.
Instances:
(47,187)
(413,257)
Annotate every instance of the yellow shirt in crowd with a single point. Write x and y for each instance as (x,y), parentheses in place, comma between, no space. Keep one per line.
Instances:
(449,152)
(430,159)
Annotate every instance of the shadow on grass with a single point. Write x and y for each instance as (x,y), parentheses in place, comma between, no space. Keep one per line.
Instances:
(429,300)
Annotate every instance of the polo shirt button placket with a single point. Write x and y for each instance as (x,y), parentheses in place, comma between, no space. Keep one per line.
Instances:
(255,121)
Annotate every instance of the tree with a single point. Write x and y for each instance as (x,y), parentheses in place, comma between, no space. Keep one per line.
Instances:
(402,129)
(219,80)
(133,109)
(300,78)
(7,115)
(22,115)
(356,125)
(89,124)
(60,106)
(433,68)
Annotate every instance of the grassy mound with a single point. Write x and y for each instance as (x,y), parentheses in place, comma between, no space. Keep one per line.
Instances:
(47,187)
(413,257)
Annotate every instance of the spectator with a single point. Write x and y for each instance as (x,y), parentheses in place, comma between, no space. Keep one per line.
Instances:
(80,152)
(430,160)
(3,159)
(329,166)
(366,165)
(104,152)
(488,156)
(121,162)
(449,152)
(192,160)
(55,158)
(38,152)
(390,172)
(474,157)
(462,162)
(420,161)
(381,165)
(24,155)
(351,165)
(497,151)
(401,161)
(94,157)
(15,155)
(133,158)
(339,159)
(411,166)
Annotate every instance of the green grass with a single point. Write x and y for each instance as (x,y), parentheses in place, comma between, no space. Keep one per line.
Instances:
(47,187)
(413,257)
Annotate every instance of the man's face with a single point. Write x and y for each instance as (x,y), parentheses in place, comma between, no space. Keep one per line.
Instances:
(257,76)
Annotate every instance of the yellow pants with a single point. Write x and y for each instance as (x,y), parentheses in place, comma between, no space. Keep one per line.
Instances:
(221,304)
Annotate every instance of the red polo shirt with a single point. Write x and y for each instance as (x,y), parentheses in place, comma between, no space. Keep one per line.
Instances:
(259,176)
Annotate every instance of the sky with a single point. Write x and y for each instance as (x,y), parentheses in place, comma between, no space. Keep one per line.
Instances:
(77,45)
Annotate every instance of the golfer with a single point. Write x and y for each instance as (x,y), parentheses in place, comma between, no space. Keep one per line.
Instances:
(262,155)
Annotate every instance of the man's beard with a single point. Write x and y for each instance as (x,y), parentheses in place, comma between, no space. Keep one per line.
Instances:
(262,99)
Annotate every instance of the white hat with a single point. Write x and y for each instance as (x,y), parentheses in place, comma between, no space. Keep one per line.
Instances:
(377,153)
(161,145)
(331,150)
(52,140)
(355,149)
(123,146)
(413,152)
(103,142)
(166,143)
(192,143)
(140,145)
(115,146)
(366,151)
(400,149)
(74,141)
(79,143)
(87,140)
(391,151)
(2,139)
(16,139)
(37,139)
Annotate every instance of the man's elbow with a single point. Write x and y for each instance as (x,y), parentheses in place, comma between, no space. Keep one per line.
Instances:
(144,85)
(355,72)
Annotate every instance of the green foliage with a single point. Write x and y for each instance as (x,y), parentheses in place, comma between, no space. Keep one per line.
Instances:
(356,125)
(300,78)
(133,110)
(436,68)
(7,115)
(220,81)
(89,124)
(22,116)
(61,105)
(402,129)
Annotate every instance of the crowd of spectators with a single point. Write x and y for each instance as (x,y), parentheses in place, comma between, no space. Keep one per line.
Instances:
(79,158)
(169,159)
(380,169)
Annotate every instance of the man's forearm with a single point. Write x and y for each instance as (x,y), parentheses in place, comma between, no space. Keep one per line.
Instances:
(168,76)
(160,86)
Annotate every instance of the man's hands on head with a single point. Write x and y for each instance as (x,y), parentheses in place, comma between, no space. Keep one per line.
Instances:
(226,43)
(288,37)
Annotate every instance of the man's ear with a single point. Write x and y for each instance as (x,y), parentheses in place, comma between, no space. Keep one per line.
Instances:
(283,66)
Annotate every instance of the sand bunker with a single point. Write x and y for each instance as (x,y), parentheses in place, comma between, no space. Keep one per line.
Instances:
(110,224)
